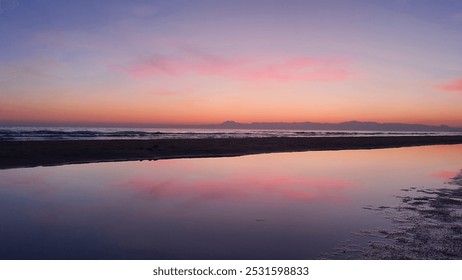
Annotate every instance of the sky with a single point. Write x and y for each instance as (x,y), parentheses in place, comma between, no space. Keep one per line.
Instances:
(209,61)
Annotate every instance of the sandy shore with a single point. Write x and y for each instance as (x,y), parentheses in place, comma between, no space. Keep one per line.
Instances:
(14,154)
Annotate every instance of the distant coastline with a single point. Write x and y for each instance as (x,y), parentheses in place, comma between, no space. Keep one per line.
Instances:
(15,154)
(345,126)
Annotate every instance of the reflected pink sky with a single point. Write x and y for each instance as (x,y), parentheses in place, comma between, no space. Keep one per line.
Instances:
(247,188)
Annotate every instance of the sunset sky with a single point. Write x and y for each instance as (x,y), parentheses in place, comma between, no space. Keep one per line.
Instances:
(208,61)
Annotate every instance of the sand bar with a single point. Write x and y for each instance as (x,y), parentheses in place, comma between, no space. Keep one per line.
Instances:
(15,154)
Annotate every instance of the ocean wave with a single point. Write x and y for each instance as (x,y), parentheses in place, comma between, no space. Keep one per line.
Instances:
(23,133)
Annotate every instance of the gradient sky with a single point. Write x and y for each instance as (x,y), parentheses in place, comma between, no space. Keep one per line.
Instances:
(208,61)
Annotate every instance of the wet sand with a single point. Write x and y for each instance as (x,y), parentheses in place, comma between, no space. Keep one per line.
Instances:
(426,225)
(15,154)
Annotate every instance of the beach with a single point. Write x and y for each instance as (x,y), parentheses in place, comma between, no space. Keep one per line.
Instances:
(16,154)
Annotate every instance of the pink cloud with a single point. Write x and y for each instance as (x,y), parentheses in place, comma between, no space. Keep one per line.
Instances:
(455,85)
(300,68)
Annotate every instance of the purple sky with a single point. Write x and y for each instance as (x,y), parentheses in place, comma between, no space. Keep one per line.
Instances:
(209,61)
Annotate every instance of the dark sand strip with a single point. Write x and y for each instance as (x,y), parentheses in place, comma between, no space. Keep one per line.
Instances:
(14,154)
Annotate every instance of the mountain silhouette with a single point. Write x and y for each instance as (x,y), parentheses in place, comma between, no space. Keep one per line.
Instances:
(350,125)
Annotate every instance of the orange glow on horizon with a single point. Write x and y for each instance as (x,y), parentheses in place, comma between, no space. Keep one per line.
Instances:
(176,111)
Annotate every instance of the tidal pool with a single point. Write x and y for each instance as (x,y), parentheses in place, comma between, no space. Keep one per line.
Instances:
(270,206)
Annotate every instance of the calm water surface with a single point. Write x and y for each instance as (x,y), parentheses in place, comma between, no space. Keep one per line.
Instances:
(273,206)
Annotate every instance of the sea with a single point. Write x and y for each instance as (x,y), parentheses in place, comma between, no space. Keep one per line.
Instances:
(21,133)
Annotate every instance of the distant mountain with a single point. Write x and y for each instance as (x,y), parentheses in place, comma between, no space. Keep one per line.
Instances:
(343,126)
(350,125)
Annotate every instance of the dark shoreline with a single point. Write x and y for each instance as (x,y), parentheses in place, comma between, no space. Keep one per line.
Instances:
(15,154)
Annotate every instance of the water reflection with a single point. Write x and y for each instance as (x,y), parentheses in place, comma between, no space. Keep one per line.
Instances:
(445,174)
(244,189)
(275,206)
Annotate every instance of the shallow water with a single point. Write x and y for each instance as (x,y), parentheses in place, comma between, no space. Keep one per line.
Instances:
(271,206)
